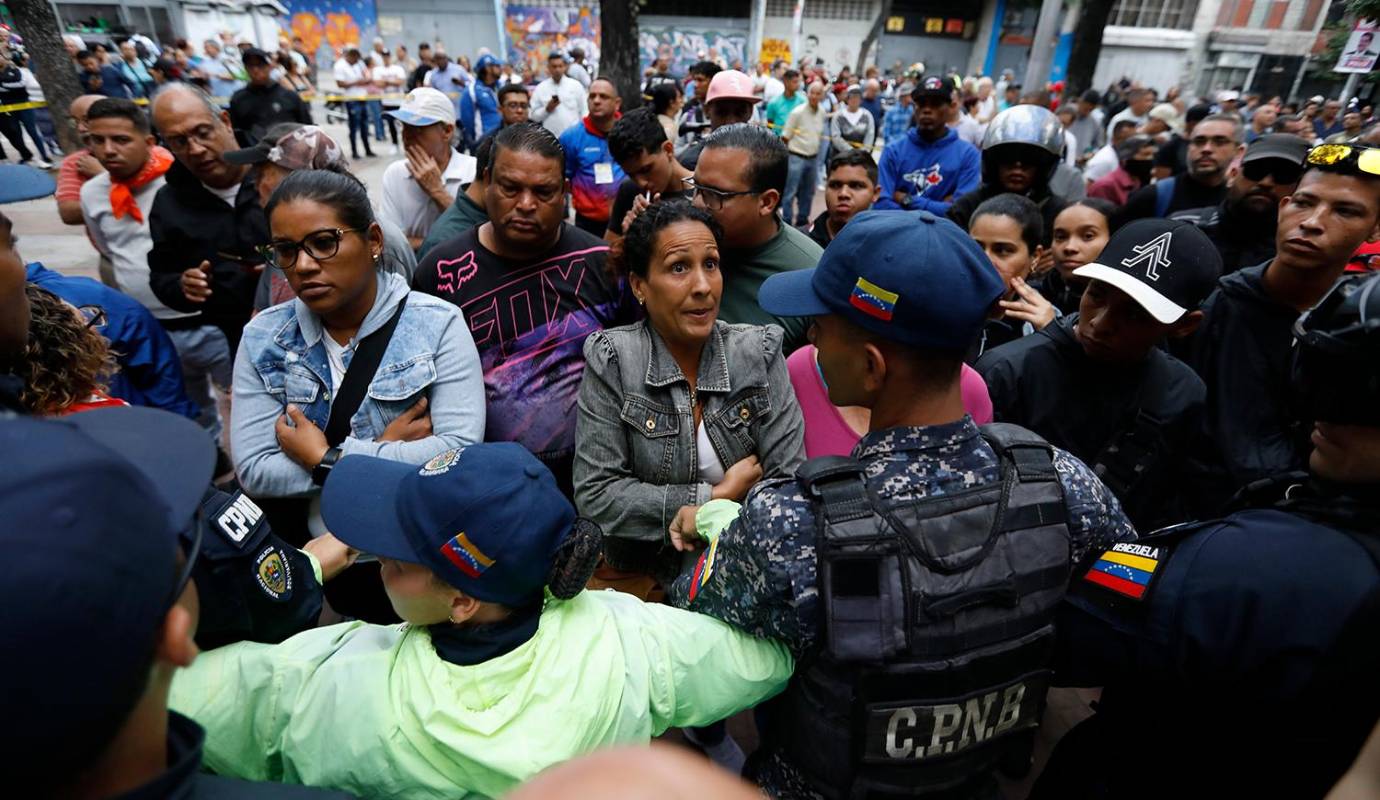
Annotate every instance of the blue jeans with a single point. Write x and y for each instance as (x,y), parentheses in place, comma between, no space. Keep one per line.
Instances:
(206,362)
(29,119)
(800,187)
(357,114)
(375,108)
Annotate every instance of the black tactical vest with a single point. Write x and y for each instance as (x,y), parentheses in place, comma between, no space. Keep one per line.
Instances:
(937,628)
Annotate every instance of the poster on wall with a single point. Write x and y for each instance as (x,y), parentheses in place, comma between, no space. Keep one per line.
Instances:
(332,24)
(683,46)
(534,31)
(1361,50)
(774,50)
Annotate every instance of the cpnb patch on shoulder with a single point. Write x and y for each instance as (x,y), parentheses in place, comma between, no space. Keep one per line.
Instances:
(1127,569)
(273,571)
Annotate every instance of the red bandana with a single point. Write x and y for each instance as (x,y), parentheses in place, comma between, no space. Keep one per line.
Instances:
(122,200)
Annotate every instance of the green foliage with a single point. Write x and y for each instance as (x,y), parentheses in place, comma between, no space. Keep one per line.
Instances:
(1364,9)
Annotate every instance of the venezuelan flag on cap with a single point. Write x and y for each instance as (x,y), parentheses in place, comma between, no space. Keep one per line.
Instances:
(873,300)
(1125,570)
(463,554)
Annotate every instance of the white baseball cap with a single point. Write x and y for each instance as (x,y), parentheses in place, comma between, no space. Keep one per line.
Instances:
(425,106)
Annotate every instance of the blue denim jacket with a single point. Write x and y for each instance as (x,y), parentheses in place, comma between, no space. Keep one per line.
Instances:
(635,451)
(281,360)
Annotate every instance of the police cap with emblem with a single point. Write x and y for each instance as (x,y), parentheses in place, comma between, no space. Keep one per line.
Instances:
(1169,267)
(909,277)
(93,505)
(488,519)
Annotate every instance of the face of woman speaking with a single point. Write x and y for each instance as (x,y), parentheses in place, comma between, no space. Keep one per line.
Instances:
(683,283)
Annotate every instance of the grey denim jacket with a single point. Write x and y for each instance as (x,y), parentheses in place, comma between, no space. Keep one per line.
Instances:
(635,454)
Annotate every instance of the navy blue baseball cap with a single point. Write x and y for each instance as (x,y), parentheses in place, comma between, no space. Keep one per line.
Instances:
(93,505)
(909,277)
(487,519)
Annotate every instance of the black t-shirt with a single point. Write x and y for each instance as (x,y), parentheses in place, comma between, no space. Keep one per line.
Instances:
(1047,383)
(529,321)
(1187,193)
(623,203)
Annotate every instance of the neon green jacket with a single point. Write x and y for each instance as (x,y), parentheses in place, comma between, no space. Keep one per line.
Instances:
(371,709)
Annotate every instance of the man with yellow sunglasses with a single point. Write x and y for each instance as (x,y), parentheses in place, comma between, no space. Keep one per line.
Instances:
(1242,349)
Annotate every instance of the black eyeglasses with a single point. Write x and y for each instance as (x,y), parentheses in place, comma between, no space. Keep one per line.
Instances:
(321,245)
(1284,172)
(714,199)
(94,315)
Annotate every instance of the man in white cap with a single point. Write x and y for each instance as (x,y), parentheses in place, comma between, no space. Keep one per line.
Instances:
(418,188)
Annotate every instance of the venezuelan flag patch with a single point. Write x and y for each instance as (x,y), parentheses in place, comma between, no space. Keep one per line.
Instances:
(702,568)
(463,553)
(1127,570)
(873,300)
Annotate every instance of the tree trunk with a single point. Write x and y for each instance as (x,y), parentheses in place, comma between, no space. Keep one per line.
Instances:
(34,20)
(1087,45)
(871,37)
(618,49)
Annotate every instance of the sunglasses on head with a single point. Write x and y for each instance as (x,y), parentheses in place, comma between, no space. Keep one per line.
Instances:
(1365,159)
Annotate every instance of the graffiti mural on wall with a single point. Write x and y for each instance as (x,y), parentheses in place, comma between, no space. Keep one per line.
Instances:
(683,47)
(533,31)
(332,24)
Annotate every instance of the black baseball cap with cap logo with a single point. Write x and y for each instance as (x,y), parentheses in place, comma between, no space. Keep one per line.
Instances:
(935,86)
(1168,267)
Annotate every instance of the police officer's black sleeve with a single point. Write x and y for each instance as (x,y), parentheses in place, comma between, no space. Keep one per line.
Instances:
(252,585)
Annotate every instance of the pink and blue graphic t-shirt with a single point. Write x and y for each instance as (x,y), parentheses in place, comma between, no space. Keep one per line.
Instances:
(529,321)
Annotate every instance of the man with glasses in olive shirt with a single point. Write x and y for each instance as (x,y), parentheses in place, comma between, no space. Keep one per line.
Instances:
(532,288)
(739,179)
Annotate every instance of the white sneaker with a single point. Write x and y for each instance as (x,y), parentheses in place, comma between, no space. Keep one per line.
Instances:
(41,163)
(392,150)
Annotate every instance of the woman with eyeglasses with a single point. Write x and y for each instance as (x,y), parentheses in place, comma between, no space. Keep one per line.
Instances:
(66,362)
(423,395)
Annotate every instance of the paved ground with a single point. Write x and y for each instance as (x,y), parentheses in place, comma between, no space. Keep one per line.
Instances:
(65,248)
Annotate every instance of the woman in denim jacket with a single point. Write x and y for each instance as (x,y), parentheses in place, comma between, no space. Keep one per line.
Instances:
(427,395)
(678,409)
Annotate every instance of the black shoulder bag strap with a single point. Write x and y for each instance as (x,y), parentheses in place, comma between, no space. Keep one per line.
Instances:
(288,515)
(350,393)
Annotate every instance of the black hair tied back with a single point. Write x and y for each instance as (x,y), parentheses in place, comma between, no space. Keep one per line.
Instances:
(339,190)
(574,561)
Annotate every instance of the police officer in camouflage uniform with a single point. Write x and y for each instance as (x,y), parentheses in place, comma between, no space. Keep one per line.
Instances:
(916,582)
(1239,655)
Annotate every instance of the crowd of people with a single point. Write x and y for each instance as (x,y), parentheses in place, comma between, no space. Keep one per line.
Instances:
(1057,390)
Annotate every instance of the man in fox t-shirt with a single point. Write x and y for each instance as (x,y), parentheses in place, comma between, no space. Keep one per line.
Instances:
(531,288)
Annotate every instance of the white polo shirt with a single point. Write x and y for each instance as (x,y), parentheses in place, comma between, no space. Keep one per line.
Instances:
(345,72)
(125,241)
(406,205)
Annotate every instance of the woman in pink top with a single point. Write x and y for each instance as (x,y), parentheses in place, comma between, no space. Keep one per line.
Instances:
(832,430)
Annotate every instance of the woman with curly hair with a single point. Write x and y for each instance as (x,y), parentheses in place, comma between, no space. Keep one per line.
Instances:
(67,362)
